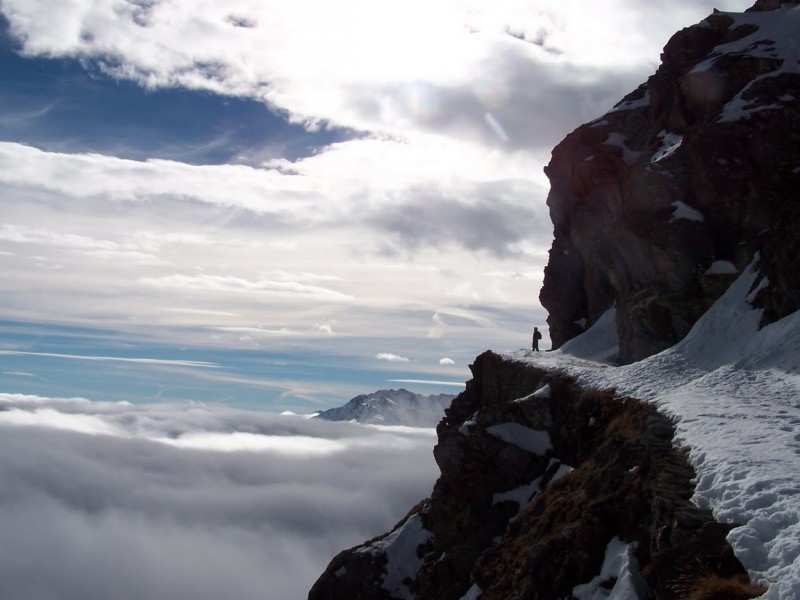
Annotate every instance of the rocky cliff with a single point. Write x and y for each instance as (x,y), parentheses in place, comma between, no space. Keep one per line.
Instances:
(658,204)
(542,483)
(551,491)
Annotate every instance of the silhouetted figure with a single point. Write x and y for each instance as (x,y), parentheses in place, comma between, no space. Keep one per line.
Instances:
(536,337)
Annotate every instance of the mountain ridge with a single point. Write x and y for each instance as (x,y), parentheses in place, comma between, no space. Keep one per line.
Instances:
(392,407)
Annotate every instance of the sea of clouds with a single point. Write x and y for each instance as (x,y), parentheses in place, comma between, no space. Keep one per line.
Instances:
(112,500)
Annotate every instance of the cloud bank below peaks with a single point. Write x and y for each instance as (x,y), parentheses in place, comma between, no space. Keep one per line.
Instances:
(189,501)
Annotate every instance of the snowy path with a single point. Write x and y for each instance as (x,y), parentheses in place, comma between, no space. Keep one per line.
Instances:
(736,394)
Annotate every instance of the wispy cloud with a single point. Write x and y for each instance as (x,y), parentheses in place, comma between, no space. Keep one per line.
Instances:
(237,284)
(204,312)
(146,361)
(389,357)
(459,384)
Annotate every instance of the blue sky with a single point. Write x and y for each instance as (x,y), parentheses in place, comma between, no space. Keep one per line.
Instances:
(270,209)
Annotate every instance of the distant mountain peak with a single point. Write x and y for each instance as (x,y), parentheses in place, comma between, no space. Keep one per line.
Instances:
(392,407)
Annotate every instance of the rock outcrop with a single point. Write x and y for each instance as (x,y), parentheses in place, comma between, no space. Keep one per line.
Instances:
(540,481)
(658,204)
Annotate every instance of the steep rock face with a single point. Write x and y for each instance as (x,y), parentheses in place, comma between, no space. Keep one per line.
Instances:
(540,480)
(658,204)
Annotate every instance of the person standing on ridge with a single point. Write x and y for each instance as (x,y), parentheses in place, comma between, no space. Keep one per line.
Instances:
(536,337)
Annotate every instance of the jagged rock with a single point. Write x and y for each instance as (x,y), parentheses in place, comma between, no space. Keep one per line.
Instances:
(538,478)
(658,204)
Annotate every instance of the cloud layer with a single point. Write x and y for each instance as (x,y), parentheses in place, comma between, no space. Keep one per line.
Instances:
(189,501)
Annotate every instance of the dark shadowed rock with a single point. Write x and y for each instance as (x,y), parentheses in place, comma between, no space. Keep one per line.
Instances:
(657,205)
(538,478)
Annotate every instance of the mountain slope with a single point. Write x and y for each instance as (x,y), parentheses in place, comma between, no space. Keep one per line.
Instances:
(735,391)
(392,407)
(544,479)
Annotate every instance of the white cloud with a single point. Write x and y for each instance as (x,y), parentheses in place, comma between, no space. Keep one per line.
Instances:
(324,328)
(196,311)
(362,71)
(387,356)
(374,233)
(147,361)
(447,361)
(239,285)
(430,382)
(225,504)
(438,328)
(294,445)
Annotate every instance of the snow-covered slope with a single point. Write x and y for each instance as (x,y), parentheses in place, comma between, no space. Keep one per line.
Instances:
(735,391)
(392,407)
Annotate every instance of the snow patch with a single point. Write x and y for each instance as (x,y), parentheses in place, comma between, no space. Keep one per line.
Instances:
(686,212)
(619,140)
(465,426)
(721,267)
(599,343)
(563,470)
(774,38)
(402,562)
(670,142)
(642,102)
(541,394)
(534,441)
(619,565)
(473,593)
(524,494)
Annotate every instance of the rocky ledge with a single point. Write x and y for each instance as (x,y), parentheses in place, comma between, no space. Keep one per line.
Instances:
(547,491)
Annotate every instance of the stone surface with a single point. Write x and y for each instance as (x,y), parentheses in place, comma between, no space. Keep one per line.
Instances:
(639,219)
(610,471)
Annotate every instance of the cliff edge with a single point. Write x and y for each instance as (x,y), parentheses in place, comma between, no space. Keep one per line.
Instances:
(546,491)
(683,192)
